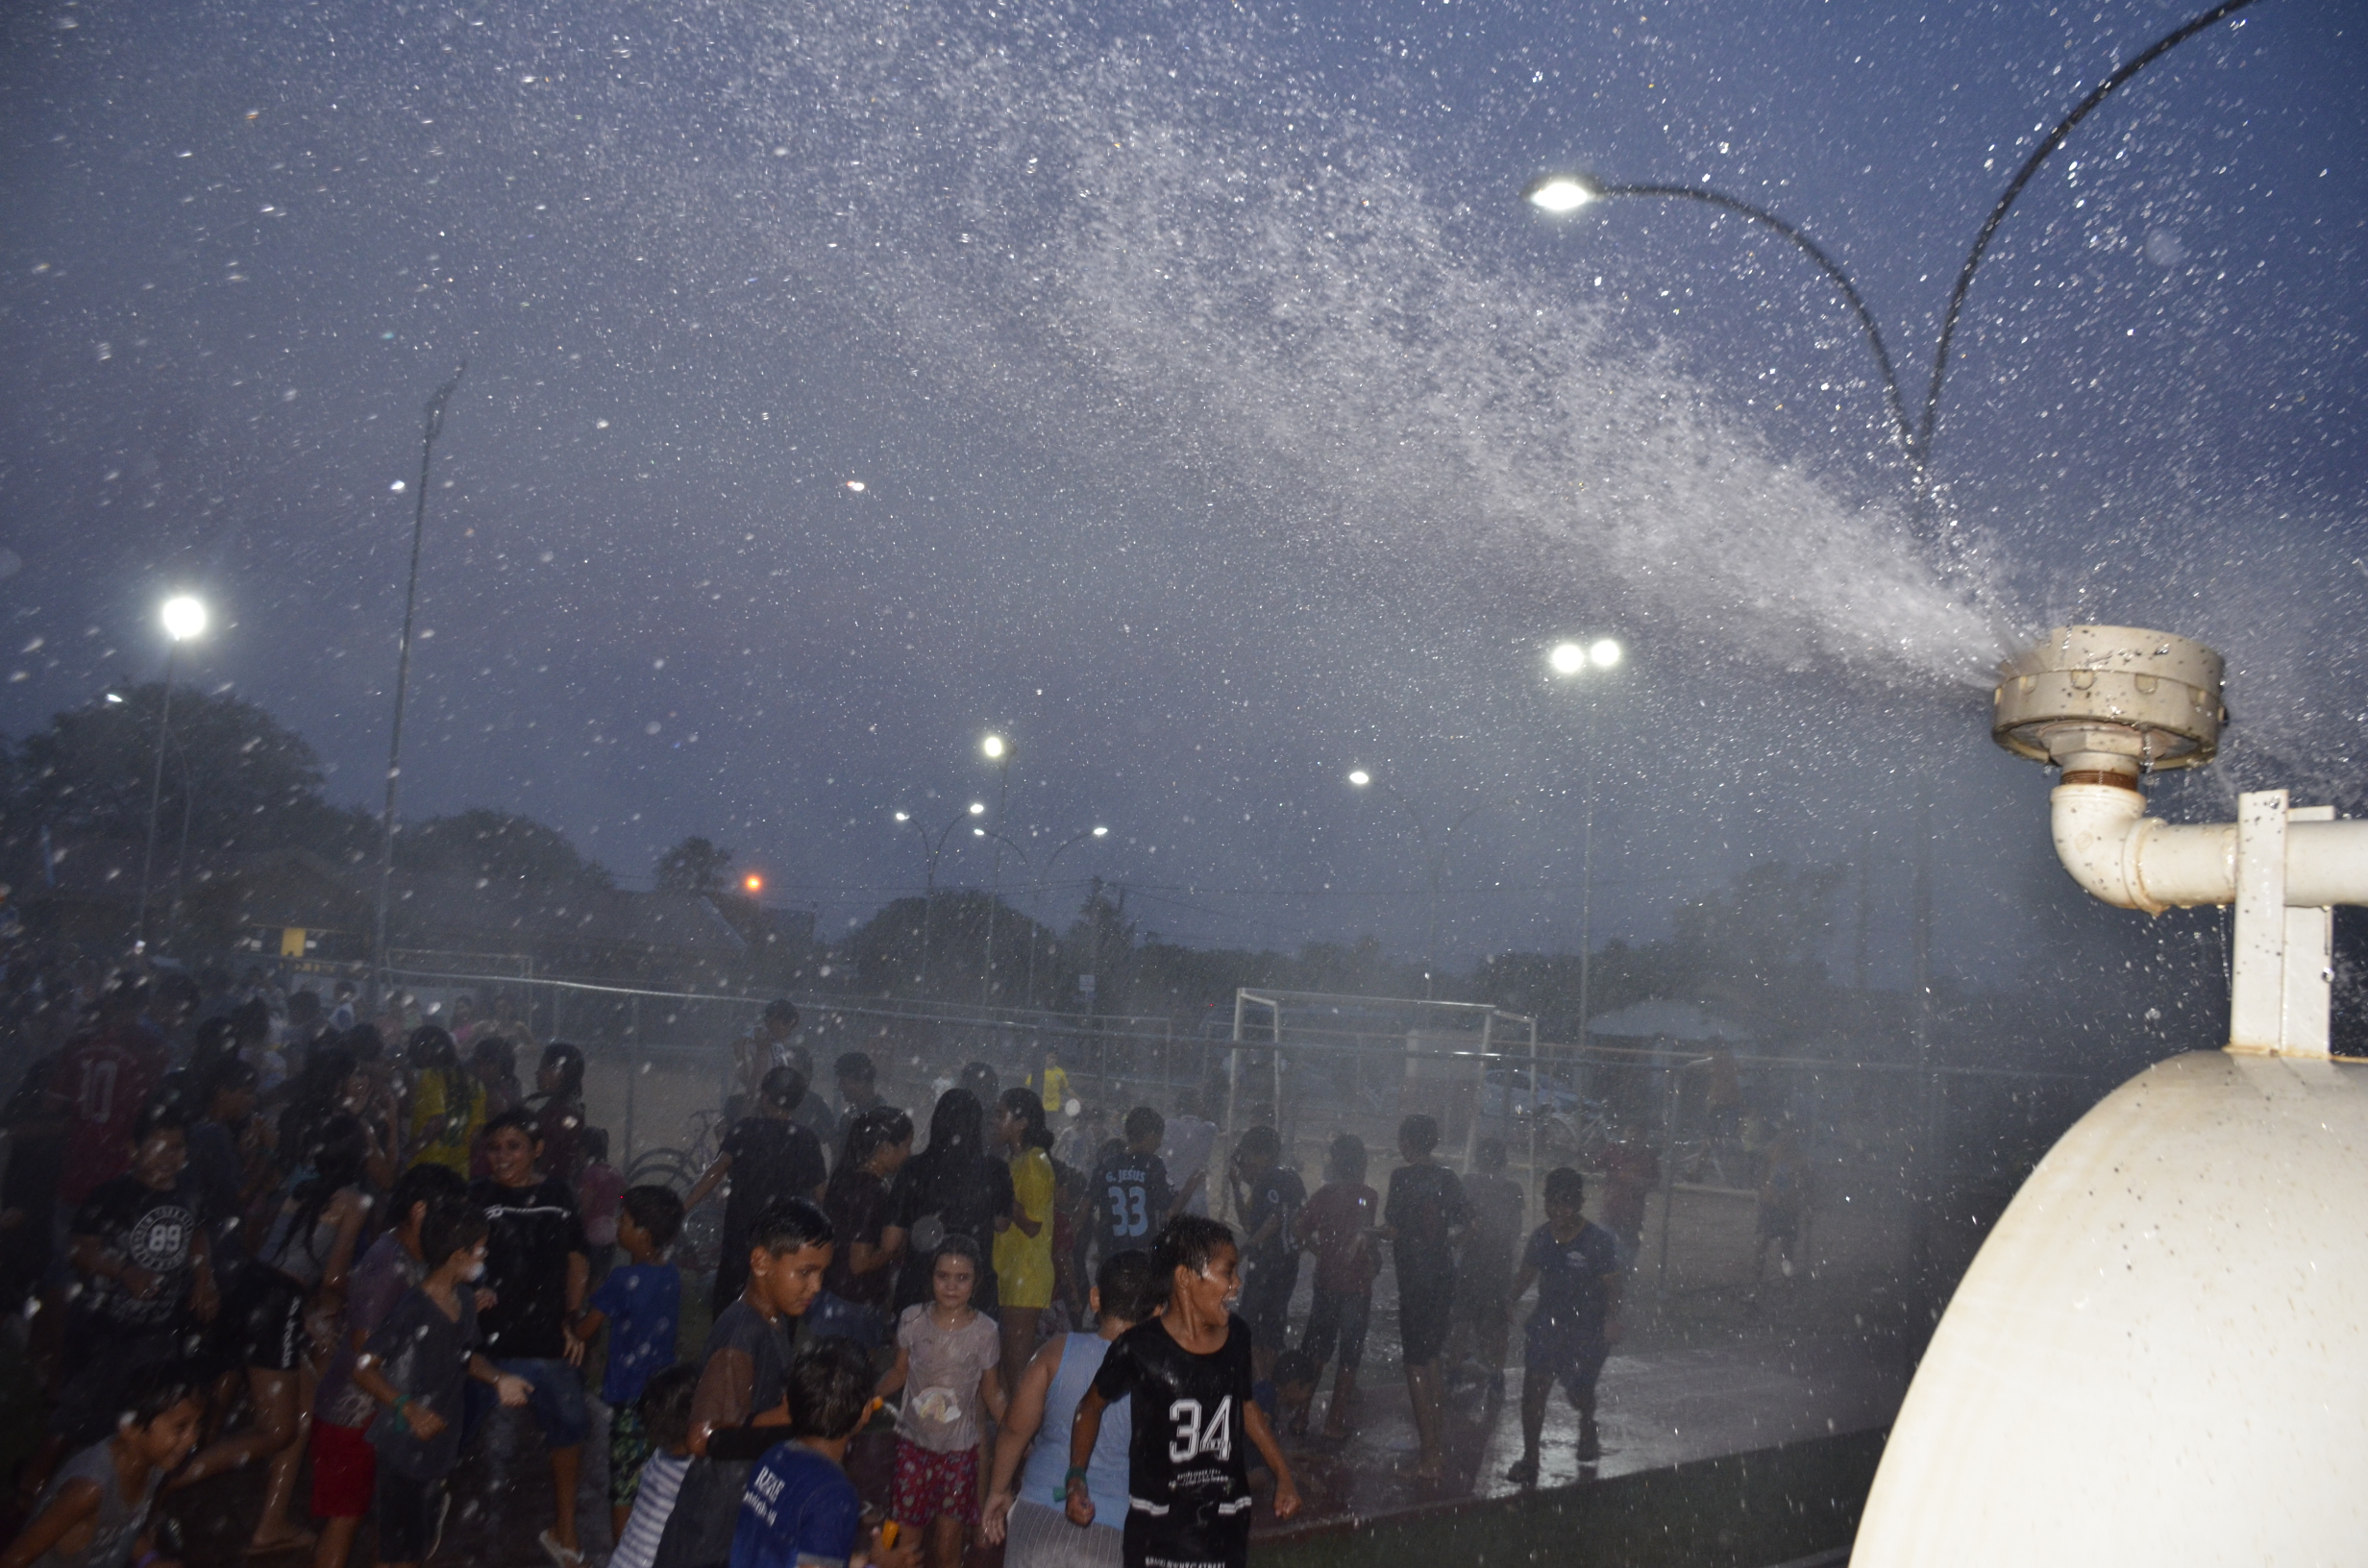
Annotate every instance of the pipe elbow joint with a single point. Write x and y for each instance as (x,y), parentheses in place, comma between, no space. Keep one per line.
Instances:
(2099,831)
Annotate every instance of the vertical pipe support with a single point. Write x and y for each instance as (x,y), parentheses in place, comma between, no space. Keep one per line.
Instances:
(2278,975)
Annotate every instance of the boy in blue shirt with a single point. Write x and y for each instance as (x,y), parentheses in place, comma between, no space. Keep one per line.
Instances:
(642,1305)
(1575,1264)
(800,1510)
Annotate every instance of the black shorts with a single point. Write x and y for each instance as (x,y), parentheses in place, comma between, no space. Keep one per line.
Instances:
(1338,1318)
(1171,1542)
(267,1322)
(1265,1300)
(410,1512)
(1426,1311)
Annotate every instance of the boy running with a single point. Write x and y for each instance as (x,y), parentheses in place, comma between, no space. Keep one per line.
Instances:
(1336,1226)
(1188,1373)
(417,1366)
(1575,1264)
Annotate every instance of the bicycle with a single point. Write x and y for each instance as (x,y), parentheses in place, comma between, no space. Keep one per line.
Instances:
(1569,1140)
(700,1245)
(680,1168)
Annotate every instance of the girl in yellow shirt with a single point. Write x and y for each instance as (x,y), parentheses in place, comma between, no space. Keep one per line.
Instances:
(1023,1250)
(446,1112)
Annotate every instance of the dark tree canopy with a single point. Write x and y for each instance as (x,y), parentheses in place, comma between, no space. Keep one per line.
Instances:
(235,778)
(696,865)
(499,848)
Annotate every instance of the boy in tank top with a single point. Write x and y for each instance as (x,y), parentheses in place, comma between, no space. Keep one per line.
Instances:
(1025,1513)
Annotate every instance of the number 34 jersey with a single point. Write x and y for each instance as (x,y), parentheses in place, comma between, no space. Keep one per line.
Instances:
(1188,1461)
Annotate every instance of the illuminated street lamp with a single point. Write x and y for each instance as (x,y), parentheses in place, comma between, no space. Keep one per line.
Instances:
(752,885)
(183,617)
(1560,193)
(1434,856)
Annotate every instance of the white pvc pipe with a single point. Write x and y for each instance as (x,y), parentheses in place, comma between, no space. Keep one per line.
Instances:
(2132,861)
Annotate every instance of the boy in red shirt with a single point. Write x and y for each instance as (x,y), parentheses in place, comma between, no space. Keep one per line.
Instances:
(1336,1225)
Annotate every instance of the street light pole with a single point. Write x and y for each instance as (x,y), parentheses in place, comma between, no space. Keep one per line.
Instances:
(1028,996)
(1569,659)
(997,750)
(183,617)
(1565,193)
(932,850)
(1036,896)
(403,679)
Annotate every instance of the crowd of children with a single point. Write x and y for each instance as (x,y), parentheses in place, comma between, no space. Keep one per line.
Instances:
(411,1240)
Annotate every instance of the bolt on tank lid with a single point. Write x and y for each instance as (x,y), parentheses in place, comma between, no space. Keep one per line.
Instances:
(2151,696)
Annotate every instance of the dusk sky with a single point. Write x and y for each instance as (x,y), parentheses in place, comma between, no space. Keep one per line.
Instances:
(1185,391)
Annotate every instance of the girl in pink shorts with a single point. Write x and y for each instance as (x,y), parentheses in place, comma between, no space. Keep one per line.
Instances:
(947,1357)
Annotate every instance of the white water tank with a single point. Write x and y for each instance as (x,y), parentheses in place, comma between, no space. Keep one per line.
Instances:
(2160,1355)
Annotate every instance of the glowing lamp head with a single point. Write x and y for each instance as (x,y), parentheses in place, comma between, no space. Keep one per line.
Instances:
(753,883)
(978,832)
(1360,777)
(904,816)
(1560,193)
(978,808)
(184,618)
(1577,658)
(995,747)
(1101,832)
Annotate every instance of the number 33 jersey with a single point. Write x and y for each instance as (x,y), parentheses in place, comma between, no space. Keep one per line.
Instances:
(1135,1199)
(1188,1461)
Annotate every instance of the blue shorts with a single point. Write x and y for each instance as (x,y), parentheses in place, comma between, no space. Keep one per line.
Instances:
(558,1398)
(1574,1356)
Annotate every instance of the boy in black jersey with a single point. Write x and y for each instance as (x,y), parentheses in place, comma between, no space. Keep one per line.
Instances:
(1130,1184)
(1188,1371)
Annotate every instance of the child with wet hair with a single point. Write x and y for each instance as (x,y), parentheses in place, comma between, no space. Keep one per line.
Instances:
(1575,1264)
(800,1510)
(948,1358)
(96,1507)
